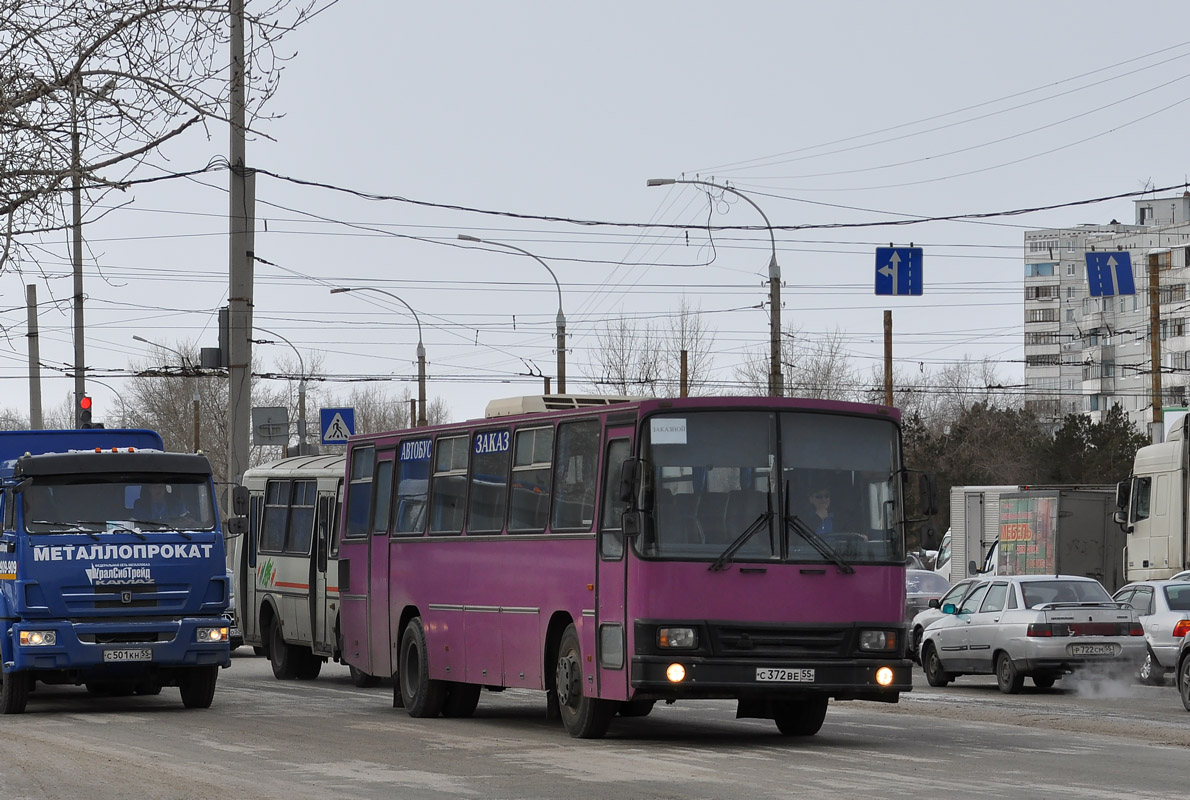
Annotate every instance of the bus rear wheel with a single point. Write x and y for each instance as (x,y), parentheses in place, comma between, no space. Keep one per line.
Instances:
(800,717)
(584,717)
(281,656)
(422,697)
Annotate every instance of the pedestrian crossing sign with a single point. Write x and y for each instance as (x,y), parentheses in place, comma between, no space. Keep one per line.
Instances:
(336,424)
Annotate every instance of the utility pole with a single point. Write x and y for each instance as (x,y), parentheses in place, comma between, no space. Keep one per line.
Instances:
(35,422)
(240,266)
(888,380)
(1157,427)
(76,202)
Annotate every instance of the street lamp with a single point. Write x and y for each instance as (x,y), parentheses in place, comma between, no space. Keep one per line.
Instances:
(421,350)
(182,358)
(301,386)
(561,317)
(776,381)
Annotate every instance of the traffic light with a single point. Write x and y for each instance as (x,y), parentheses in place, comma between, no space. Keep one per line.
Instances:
(84,412)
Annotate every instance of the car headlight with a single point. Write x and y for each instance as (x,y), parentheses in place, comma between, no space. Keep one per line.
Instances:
(38,638)
(219,634)
(878,641)
(677,638)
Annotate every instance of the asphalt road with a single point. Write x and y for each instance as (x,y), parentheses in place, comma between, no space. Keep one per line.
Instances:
(325,738)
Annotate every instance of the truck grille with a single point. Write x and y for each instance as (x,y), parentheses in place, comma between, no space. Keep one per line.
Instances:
(143,595)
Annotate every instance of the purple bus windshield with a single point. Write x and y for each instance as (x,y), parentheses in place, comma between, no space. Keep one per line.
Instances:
(804,486)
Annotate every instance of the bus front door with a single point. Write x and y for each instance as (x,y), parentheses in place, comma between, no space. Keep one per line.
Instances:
(322,623)
(378,566)
(611,636)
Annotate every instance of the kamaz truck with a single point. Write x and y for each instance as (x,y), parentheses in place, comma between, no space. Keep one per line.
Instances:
(112,567)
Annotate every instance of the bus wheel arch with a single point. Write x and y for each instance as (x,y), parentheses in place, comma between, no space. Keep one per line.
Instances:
(553,638)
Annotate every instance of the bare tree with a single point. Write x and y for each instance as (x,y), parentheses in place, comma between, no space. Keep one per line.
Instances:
(629,357)
(688,333)
(124,76)
(817,367)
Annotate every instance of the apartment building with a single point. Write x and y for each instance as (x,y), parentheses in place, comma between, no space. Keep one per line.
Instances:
(1085,354)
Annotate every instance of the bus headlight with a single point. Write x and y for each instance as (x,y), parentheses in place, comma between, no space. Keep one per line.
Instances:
(38,638)
(676,673)
(677,638)
(884,676)
(878,641)
(212,634)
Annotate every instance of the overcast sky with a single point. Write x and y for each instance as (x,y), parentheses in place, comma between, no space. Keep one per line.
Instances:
(824,113)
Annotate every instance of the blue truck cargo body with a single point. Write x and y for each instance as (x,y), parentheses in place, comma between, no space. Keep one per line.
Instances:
(112,566)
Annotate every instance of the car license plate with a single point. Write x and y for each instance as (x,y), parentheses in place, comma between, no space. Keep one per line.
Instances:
(782,675)
(138,654)
(1092,649)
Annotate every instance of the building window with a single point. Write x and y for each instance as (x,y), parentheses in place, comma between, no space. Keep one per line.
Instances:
(1042,315)
(1070,315)
(1040,270)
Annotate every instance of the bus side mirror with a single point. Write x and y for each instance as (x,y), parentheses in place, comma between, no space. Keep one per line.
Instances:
(927,494)
(235,526)
(239,500)
(629,471)
(929,537)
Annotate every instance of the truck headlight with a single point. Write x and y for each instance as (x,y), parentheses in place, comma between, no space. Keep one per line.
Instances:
(212,634)
(677,638)
(878,641)
(38,638)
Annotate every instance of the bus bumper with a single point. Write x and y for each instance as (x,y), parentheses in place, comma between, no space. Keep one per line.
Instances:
(116,646)
(842,679)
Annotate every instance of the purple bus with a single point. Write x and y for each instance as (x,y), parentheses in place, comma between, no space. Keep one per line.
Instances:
(635,551)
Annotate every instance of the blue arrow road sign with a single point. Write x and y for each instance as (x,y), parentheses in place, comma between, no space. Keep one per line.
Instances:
(1110,273)
(336,424)
(898,270)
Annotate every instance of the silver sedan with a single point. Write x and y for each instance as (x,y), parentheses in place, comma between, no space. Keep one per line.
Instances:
(1038,626)
(1163,608)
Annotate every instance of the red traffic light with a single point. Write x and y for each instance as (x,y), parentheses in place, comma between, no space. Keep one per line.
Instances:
(85,403)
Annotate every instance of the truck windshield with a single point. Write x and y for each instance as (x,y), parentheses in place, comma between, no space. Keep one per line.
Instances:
(715,474)
(91,503)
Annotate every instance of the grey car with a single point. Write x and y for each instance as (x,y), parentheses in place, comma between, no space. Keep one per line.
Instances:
(1163,608)
(933,612)
(1038,626)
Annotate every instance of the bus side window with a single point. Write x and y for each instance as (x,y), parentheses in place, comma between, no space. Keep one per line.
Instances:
(359,491)
(529,501)
(574,475)
(489,481)
(413,485)
(448,490)
(611,540)
(276,516)
(255,512)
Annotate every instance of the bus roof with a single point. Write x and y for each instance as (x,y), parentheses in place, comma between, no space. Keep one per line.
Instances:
(332,462)
(538,404)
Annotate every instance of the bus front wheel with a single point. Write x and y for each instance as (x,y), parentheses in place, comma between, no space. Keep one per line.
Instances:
(584,717)
(281,654)
(800,717)
(422,697)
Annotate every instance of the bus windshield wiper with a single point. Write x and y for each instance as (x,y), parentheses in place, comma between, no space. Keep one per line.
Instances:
(816,541)
(762,521)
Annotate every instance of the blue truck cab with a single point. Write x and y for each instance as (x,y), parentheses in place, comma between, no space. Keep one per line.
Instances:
(112,567)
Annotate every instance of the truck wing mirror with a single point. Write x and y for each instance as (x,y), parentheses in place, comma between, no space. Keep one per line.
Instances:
(10,511)
(1121,519)
(235,526)
(1123,494)
(973,567)
(239,500)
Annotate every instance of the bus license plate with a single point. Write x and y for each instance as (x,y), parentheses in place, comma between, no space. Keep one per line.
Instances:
(1092,649)
(782,675)
(138,654)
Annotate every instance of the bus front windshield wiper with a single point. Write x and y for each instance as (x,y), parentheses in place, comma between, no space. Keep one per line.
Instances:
(816,541)
(762,521)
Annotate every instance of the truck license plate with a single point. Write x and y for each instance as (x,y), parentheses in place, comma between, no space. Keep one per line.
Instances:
(783,675)
(137,654)
(1092,649)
